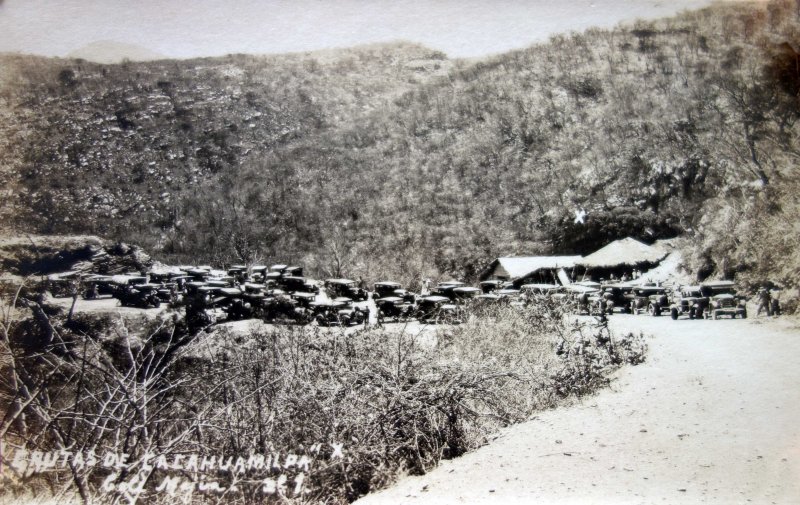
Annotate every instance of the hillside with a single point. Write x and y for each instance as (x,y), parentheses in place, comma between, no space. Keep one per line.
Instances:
(395,161)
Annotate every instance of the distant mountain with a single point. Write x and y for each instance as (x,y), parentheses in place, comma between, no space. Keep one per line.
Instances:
(109,51)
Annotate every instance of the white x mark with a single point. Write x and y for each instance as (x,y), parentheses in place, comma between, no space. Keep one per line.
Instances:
(337,450)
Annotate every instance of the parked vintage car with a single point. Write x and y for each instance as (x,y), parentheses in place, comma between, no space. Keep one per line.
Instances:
(143,296)
(253,287)
(235,304)
(436,309)
(620,294)
(394,308)
(258,273)
(292,284)
(325,312)
(124,280)
(408,296)
(650,298)
(282,308)
(600,304)
(537,293)
(349,313)
(446,289)
(463,294)
(277,268)
(575,298)
(345,288)
(491,285)
(688,301)
(303,298)
(385,289)
(723,300)
(238,272)
(339,311)
(486,302)
(198,274)
(292,271)
(96,286)
(63,284)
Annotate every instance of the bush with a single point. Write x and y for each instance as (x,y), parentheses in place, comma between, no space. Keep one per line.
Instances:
(400,400)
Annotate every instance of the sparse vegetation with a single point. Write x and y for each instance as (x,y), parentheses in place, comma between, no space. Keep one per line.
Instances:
(672,125)
(398,402)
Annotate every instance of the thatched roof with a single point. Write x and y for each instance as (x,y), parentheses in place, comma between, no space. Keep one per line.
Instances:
(624,252)
(521,266)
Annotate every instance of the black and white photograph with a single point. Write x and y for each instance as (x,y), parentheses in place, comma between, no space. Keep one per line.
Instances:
(399,252)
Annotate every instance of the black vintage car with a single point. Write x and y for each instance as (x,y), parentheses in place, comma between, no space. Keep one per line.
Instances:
(339,311)
(97,286)
(385,289)
(143,296)
(258,273)
(292,284)
(464,293)
(491,285)
(539,292)
(345,288)
(235,304)
(688,301)
(284,309)
(577,298)
(650,298)
(723,300)
(437,309)
(447,288)
(63,284)
(620,294)
(304,299)
(238,272)
(292,271)
(394,308)
(408,296)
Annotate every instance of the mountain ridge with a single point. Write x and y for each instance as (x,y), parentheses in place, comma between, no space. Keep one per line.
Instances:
(653,128)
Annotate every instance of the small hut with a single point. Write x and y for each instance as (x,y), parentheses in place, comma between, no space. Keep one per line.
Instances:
(529,269)
(619,258)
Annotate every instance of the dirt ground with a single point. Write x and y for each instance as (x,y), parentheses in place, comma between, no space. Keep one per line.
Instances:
(105,305)
(712,416)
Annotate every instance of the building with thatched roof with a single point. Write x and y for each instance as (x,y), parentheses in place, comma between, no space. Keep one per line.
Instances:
(620,257)
(529,269)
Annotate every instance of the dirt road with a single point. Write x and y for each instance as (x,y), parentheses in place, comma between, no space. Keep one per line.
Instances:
(713,416)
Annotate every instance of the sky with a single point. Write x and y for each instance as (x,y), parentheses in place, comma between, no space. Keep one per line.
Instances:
(189,28)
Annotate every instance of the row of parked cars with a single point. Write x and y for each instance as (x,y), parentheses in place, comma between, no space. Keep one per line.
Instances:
(282,293)
(710,300)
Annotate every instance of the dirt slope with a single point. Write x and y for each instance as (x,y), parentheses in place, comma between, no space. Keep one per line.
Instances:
(712,417)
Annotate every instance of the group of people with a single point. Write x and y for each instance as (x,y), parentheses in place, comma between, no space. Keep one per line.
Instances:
(768,301)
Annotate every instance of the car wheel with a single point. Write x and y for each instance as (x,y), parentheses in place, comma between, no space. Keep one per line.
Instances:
(674,314)
(744,313)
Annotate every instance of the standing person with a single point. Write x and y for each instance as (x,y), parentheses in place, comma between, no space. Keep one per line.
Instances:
(426,286)
(764,301)
(775,304)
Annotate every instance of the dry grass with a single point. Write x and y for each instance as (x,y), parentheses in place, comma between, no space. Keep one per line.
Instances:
(398,404)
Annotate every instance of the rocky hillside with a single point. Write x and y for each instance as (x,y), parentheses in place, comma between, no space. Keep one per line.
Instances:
(96,146)
(395,161)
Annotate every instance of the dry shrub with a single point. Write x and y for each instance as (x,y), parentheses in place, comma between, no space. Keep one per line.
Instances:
(401,401)
(398,398)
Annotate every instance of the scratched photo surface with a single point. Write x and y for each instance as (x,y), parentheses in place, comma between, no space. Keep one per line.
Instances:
(399,252)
